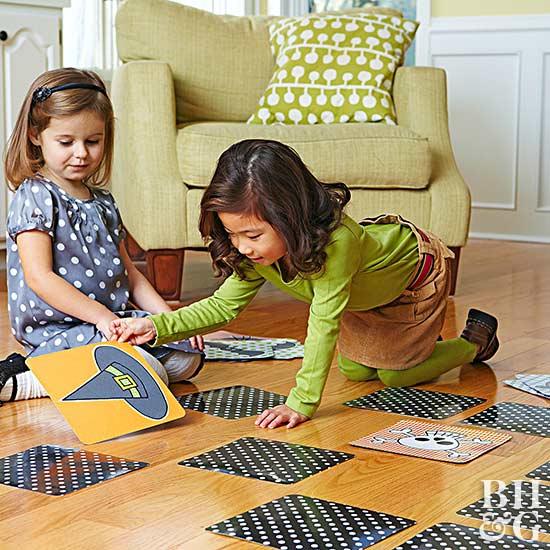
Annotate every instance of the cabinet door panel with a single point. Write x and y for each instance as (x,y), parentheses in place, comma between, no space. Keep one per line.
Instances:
(32,47)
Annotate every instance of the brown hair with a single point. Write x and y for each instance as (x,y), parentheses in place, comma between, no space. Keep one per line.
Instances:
(23,159)
(268,179)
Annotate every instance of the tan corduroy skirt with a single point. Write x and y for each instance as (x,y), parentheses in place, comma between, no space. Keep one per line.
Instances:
(403,333)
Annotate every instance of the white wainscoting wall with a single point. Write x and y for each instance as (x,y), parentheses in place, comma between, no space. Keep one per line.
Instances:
(498,71)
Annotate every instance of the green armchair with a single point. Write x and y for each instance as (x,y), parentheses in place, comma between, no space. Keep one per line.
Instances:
(188,82)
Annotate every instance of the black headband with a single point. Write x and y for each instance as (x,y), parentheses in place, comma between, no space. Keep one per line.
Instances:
(41,94)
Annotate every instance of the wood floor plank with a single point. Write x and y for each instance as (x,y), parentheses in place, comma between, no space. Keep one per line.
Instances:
(168,506)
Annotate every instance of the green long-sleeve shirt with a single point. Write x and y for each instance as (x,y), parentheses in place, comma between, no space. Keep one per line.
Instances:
(366,267)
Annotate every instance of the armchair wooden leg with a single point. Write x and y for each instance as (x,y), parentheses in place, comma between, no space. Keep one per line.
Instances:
(165,270)
(454,267)
(136,253)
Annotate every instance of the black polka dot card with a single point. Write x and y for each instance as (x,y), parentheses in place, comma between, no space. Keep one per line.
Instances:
(232,402)
(459,537)
(413,402)
(542,473)
(514,417)
(433,441)
(252,349)
(267,460)
(525,504)
(237,350)
(57,470)
(297,522)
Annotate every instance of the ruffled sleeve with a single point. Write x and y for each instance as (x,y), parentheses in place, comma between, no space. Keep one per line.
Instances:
(31,209)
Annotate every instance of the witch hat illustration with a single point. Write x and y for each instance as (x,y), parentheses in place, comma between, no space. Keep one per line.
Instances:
(121,376)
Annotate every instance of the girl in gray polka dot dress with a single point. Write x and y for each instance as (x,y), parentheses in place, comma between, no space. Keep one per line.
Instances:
(69,274)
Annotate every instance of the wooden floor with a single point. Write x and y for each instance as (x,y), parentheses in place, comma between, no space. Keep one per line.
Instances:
(168,506)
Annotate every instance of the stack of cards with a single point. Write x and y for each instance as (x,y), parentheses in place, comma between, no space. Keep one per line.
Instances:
(537,384)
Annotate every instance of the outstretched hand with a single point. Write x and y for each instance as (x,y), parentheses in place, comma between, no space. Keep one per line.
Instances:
(141,330)
(135,331)
(104,324)
(279,416)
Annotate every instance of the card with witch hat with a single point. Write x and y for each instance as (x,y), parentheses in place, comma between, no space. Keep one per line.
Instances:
(105,390)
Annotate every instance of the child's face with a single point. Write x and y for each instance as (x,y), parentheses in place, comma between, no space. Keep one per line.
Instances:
(72,146)
(254,238)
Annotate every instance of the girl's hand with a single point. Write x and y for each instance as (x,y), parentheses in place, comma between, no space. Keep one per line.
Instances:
(133,331)
(104,324)
(279,416)
(197,342)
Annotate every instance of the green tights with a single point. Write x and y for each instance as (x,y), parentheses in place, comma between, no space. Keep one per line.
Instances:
(447,355)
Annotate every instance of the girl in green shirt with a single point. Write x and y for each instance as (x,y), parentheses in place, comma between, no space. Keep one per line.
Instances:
(377,289)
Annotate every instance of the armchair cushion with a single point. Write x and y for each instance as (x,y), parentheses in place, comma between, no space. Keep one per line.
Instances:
(360,155)
(220,64)
(334,68)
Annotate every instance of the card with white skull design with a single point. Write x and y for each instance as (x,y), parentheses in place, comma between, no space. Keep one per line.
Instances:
(433,441)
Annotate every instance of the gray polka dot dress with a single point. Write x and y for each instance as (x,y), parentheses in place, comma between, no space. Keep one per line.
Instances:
(85,238)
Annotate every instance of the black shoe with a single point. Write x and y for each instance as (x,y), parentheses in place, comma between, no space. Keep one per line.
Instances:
(481,329)
(12,365)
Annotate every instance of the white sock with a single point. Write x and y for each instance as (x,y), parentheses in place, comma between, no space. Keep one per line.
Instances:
(28,387)
(154,363)
(182,366)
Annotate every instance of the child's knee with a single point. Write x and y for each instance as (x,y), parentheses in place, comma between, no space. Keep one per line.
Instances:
(154,363)
(392,378)
(355,371)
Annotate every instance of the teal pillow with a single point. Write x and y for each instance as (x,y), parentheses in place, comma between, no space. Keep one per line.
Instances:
(334,68)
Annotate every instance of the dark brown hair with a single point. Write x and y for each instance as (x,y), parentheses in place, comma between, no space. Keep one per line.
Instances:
(23,159)
(268,179)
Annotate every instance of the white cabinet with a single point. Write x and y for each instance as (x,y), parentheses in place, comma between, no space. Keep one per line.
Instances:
(30,43)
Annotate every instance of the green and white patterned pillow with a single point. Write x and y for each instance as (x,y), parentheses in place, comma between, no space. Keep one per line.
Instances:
(334,68)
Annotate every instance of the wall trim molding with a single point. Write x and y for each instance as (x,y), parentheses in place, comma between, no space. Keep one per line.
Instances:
(516,206)
(487,23)
(483,23)
(40,3)
(509,237)
(543,135)
(495,205)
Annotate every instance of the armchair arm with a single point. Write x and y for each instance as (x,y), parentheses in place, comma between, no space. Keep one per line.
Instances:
(146,181)
(420,95)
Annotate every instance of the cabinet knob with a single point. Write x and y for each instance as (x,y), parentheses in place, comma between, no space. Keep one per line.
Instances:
(3,36)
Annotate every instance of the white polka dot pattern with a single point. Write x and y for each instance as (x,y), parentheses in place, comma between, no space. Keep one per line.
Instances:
(541,473)
(57,470)
(40,204)
(232,402)
(267,460)
(334,68)
(514,417)
(298,522)
(451,536)
(413,402)
(505,505)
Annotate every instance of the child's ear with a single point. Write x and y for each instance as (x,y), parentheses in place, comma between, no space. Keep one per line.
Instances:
(33,136)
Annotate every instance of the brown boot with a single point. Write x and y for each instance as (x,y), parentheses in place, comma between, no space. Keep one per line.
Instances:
(481,329)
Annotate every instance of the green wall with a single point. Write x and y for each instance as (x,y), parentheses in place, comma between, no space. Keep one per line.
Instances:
(454,8)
